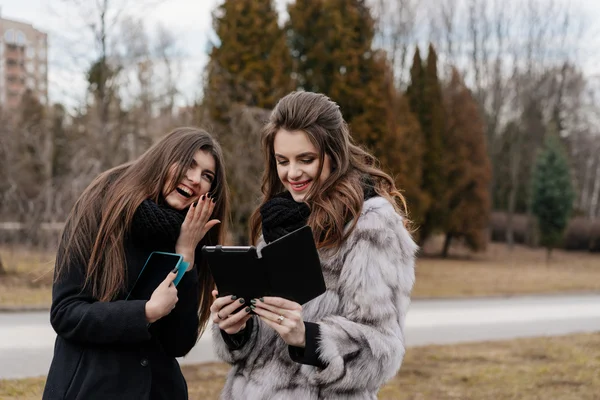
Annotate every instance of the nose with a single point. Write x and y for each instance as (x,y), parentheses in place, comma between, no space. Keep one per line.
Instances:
(294,172)
(194,176)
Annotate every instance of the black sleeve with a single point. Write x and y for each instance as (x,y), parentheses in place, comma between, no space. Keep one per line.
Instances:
(308,355)
(238,340)
(76,315)
(178,331)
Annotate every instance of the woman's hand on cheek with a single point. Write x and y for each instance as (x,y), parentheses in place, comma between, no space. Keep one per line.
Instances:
(194,228)
(284,316)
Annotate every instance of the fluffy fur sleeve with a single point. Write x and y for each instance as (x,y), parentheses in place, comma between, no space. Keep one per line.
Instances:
(363,344)
(232,349)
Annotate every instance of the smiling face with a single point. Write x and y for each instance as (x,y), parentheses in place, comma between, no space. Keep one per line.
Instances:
(298,162)
(196,181)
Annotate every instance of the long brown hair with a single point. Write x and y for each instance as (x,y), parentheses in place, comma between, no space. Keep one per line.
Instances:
(339,199)
(101,218)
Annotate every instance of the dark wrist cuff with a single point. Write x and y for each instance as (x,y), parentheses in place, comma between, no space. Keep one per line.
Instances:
(309,354)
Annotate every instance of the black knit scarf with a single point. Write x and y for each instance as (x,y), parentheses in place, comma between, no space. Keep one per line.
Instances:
(156,223)
(282,215)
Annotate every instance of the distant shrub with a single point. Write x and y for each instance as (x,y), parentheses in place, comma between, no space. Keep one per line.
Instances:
(498,223)
(577,235)
(595,236)
(582,234)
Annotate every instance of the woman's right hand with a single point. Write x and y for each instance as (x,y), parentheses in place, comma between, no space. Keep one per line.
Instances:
(222,313)
(163,299)
(194,228)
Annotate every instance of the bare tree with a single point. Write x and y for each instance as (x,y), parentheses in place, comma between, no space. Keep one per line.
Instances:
(396,23)
(245,165)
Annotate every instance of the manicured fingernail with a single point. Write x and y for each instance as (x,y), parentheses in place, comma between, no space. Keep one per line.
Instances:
(195,203)
(262,299)
(248,309)
(234,297)
(242,301)
(253,301)
(175,269)
(253,308)
(213,200)
(203,196)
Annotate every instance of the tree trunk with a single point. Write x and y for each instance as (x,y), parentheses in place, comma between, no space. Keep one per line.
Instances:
(595,193)
(509,233)
(2,269)
(447,243)
(515,166)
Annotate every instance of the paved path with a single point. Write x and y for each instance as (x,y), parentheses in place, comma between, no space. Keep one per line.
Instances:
(27,339)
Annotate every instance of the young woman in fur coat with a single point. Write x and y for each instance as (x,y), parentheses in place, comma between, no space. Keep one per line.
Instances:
(346,343)
(108,347)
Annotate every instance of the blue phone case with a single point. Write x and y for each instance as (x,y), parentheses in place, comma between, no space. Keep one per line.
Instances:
(181,269)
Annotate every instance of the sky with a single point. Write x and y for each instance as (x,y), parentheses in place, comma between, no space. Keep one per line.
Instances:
(189,21)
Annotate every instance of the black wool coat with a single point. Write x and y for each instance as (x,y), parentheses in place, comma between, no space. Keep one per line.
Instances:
(105,350)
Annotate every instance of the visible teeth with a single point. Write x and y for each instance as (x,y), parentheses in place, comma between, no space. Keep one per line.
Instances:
(185,191)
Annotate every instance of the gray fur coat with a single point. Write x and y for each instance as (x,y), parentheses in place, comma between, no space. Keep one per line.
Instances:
(361,318)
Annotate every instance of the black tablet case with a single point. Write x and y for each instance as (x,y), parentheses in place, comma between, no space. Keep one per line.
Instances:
(289,267)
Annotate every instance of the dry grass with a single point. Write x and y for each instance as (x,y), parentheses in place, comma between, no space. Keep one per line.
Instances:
(29,277)
(22,389)
(496,272)
(558,368)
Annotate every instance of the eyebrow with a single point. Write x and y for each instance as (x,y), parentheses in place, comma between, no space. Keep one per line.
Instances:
(206,170)
(305,154)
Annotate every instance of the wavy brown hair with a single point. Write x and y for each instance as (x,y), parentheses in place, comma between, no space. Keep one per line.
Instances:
(339,199)
(101,218)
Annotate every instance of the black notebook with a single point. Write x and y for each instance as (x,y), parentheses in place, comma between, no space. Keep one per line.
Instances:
(289,267)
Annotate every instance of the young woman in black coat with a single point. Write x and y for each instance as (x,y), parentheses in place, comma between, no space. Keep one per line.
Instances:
(171,199)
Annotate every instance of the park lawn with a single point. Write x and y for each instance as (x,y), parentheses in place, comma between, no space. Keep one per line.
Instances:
(496,272)
(500,272)
(557,368)
(28,281)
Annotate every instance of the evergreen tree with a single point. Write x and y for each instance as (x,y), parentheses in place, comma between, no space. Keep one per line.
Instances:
(468,168)
(251,64)
(552,193)
(61,156)
(33,141)
(415,91)
(330,42)
(404,151)
(425,98)
(331,45)
(250,67)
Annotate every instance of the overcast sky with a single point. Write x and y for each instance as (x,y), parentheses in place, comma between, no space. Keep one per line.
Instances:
(190,22)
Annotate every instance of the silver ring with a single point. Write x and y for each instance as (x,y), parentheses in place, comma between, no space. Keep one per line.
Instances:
(280,319)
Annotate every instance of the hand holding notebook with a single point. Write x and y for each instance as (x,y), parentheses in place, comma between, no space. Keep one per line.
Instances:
(289,267)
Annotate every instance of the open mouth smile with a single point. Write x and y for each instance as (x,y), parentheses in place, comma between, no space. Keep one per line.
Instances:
(185,191)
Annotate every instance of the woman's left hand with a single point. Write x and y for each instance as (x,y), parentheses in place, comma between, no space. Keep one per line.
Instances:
(284,316)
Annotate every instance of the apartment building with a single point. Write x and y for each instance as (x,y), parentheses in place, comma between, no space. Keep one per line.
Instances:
(23,62)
